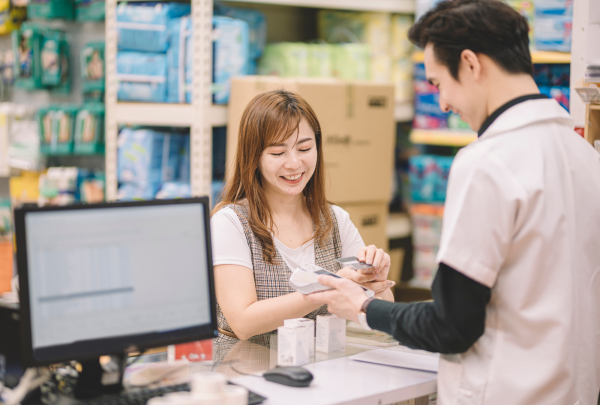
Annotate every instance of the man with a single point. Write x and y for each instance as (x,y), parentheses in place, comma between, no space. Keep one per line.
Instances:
(516,307)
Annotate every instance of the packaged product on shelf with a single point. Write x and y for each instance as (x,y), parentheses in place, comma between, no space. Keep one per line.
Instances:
(370,28)
(58,186)
(56,124)
(400,46)
(179,61)
(89,10)
(92,66)
(553,33)
(146,156)
(560,94)
(426,222)
(134,191)
(52,43)
(402,73)
(230,58)
(26,45)
(428,176)
(174,190)
(554,7)
(320,60)
(424,121)
(428,104)
(51,9)
(142,76)
(381,68)
(11,17)
(184,160)
(64,84)
(526,9)
(91,188)
(89,130)
(285,59)
(257,25)
(143,27)
(351,61)
(552,74)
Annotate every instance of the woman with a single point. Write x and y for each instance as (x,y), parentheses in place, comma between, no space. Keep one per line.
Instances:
(274,217)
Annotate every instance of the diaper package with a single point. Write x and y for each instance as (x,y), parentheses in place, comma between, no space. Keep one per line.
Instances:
(370,28)
(174,190)
(56,125)
(257,25)
(92,66)
(180,61)
(136,192)
(351,61)
(553,33)
(27,45)
(146,156)
(553,7)
(142,76)
(11,17)
(230,57)
(51,9)
(285,59)
(320,60)
(52,44)
(428,175)
(89,10)
(89,130)
(144,27)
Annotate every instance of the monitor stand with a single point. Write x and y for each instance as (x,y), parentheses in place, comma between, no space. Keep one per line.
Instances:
(96,379)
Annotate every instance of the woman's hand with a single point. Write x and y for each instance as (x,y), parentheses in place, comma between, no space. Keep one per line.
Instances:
(376,257)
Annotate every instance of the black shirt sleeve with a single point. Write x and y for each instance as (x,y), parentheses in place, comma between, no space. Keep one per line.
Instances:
(452,323)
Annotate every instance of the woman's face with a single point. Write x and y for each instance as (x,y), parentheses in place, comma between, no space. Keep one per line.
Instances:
(287,167)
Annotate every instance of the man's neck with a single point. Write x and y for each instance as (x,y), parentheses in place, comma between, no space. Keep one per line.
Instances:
(508,88)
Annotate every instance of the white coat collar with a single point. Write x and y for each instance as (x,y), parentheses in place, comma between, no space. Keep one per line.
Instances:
(527,113)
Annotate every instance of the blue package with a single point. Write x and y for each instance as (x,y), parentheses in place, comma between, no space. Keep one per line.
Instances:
(419,72)
(142,76)
(429,104)
(552,74)
(428,176)
(174,190)
(257,25)
(143,27)
(180,61)
(184,160)
(230,55)
(553,33)
(558,93)
(136,192)
(147,157)
(553,8)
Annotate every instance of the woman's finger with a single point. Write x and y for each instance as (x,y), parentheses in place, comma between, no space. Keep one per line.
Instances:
(370,254)
(378,259)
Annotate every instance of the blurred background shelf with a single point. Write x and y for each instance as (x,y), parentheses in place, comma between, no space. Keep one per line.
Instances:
(442,137)
(536,57)
(391,6)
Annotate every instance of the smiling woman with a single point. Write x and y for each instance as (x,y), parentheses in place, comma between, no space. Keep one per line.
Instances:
(274,217)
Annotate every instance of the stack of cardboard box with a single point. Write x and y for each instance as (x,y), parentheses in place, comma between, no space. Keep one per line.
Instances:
(357,122)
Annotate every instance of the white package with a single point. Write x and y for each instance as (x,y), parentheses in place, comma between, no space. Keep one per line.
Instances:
(291,350)
(331,333)
(309,326)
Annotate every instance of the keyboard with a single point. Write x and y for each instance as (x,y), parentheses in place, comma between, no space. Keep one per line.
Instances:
(141,396)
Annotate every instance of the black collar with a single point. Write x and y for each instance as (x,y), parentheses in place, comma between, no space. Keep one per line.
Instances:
(489,120)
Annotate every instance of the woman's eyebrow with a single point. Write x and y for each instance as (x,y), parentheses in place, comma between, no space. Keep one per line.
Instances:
(299,142)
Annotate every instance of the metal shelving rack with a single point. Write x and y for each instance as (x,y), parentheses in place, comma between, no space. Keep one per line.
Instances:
(201,115)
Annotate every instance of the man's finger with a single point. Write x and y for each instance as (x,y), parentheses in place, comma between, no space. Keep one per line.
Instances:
(319,297)
(332,282)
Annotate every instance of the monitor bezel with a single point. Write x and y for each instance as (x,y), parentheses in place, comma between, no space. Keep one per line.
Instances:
(90,349)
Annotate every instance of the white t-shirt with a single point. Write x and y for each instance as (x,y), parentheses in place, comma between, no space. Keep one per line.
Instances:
(522,216)
(230,246)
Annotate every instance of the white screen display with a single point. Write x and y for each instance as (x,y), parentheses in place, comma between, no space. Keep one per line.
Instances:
(108,272)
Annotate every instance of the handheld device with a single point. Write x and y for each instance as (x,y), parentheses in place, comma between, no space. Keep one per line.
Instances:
(353,263)
(305,280)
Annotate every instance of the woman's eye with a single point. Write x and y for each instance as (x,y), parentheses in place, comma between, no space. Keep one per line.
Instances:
(305,150)
(277,154)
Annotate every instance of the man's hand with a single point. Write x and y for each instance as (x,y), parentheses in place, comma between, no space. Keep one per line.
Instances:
(344,301)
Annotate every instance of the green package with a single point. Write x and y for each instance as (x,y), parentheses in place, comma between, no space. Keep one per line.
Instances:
(64,86)
(285,59)
(51,54)
(26,45)
(56,129)
(51,9)
(351,61)
(89,10)
(89,129)
(320,60)
(92,67)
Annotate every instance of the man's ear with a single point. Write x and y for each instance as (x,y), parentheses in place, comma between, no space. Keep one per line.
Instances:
(470,64)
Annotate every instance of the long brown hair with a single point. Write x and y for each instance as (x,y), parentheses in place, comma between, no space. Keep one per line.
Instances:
(270,118)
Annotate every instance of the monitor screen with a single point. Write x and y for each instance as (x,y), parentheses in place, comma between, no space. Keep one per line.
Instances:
(108,273)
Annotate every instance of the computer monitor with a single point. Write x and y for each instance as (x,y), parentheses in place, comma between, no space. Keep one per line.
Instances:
(110,278)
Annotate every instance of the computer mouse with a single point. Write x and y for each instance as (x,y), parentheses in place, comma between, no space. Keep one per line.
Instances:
(290,376)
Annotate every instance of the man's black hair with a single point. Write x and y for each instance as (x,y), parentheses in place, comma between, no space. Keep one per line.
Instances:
(489,27)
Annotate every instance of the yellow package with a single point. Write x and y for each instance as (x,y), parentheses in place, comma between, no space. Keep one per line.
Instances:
(10,17)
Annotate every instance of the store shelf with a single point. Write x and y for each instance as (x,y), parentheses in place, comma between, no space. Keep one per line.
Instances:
(392,6)
(536,57)
(442,137)
(174,115)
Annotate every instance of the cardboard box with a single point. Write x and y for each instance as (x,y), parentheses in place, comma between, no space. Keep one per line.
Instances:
(371,221)
(292,346)
(358,129)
